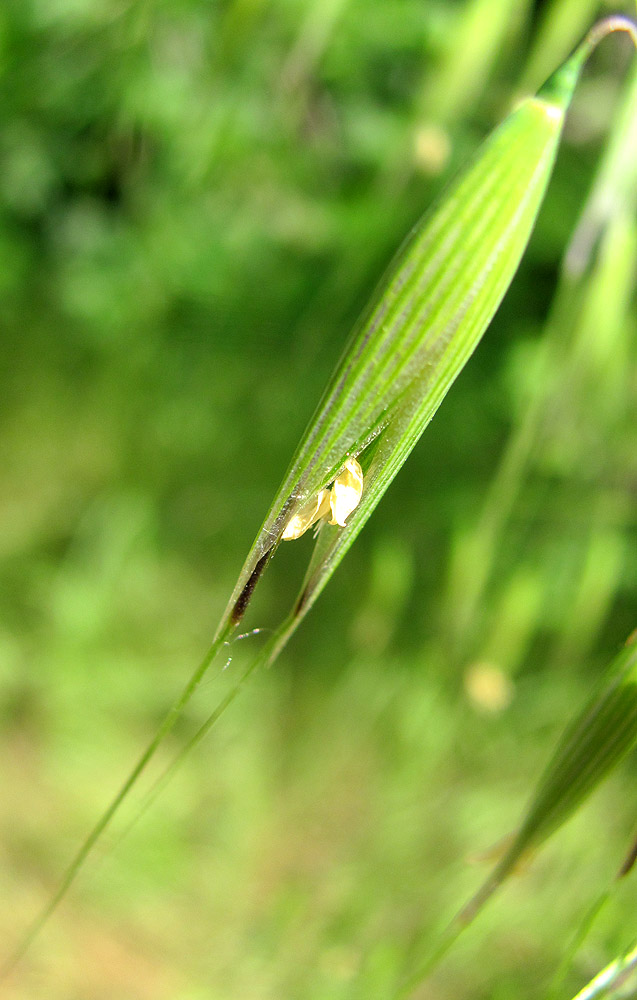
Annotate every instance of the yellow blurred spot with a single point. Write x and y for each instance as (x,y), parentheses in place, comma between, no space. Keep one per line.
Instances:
(432,148)
(488,688)
(341,963)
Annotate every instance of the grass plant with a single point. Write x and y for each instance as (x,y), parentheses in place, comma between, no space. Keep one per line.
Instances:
(424,321)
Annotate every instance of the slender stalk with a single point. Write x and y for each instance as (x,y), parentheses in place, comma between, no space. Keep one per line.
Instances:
(96,833)
(265,658)
(610,977)
(583,931)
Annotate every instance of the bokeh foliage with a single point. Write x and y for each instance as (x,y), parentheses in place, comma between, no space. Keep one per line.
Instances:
(196,199)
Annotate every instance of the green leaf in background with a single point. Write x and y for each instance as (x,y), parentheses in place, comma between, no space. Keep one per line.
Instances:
(583,347)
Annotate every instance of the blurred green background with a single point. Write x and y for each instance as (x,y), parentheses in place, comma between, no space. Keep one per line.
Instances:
(196,199)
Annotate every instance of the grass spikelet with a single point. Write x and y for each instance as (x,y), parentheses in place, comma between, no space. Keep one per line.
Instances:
(424,322)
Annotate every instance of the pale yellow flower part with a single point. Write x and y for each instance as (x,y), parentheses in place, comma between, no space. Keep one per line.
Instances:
(346,492)
(310,512)
(340,501)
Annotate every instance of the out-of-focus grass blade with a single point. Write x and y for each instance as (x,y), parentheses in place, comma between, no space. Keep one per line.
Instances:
(595,742)
(587,323)
(562,23)
(480,31)
(425,320)
(617,980)
(605,896)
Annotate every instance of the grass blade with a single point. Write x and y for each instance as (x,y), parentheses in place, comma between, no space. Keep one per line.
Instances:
(593,744)
(613,980)
(106,817)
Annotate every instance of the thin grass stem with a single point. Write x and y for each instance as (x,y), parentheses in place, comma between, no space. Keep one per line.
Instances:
(98,830)
(612,976)
(265,658)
